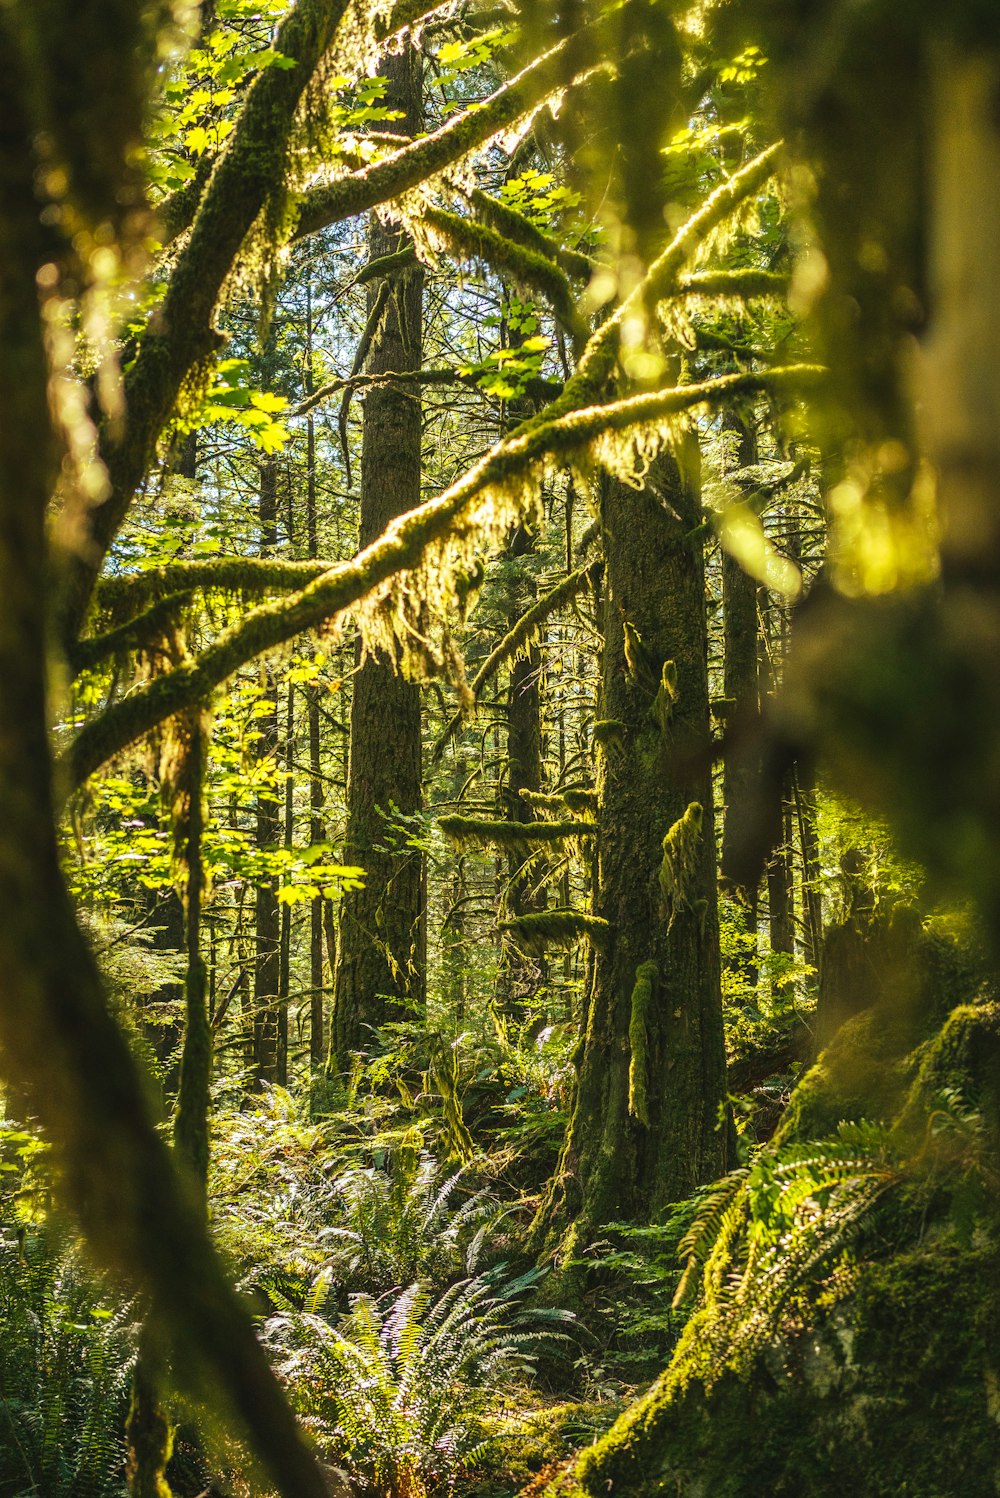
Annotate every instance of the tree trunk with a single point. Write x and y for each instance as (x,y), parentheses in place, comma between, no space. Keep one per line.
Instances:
(647,1124)
(380,962)
(521,973)
(268,919)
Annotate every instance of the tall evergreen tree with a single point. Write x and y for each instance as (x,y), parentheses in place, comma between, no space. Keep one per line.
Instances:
(380,966)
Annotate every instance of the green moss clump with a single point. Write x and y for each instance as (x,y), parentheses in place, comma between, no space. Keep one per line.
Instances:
(889,1394)
(556,928)
(609,735)
(667,694)
(860,1074)
(646,975)
(680,860)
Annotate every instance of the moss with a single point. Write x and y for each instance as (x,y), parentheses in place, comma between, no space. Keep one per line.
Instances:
(963,1060)
(666,697)
(527,267)
(861,1074)
(890,1393)
(575,799)
(678,865)
(609,735)
(558,928)
(546,1436)
(646,976)
(471,832)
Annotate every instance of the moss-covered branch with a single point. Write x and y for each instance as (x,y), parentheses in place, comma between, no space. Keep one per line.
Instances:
(176,210)
(556,928)
(516,227)
(747,284)
(473,832)
(412,164)
(527,268)
(576,799)
(128,592)
(399,549)
(599,357)
(179,333)
(133,635)
(519,639)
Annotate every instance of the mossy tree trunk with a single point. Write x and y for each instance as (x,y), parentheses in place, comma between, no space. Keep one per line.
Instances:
(741,771)
(647,1121)
(521,973)
(380,961)
(268,918)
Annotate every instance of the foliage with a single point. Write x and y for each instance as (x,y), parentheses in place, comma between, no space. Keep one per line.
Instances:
(396,1394)
(66,1359)
(402,1224)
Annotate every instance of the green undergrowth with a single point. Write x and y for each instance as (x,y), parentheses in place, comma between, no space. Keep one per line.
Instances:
(844,1292)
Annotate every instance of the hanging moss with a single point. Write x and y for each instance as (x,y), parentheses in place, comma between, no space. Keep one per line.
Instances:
(528,268)
(556,928)
(678,867)
(646,976)
(746,284)
(470,832)
(575,799)
(514,226)
(666,697)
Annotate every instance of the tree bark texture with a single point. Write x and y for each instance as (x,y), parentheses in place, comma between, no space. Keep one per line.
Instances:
(647,1122)
(267,926)
(380,961)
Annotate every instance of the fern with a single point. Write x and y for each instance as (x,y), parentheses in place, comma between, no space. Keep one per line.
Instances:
(65,1369)
(395,1227)
(396,1394)
(761,1237)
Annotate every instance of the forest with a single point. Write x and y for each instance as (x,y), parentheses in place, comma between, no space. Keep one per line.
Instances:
(499,749)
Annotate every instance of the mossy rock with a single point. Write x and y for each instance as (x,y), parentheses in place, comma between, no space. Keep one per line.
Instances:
(882,1381)
(893,1393)
(861,1074)
(963,1060)
(541,1441)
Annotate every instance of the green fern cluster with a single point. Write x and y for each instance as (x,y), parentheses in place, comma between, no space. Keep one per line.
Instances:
(397,1393)
(404,1224)
(66,1364)
(763,1235)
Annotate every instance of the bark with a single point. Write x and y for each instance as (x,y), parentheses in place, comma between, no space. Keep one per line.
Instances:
(741,786)
(626,1156)
(380,960)
(267,958)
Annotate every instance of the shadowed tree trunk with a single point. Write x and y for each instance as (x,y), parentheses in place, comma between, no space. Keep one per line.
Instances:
(380,962)
(521,973)
(741,768)
(646,1126)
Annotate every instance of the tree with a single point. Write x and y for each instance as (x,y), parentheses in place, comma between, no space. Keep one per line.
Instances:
(380,968)
(654,1011)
